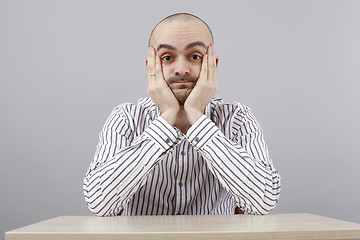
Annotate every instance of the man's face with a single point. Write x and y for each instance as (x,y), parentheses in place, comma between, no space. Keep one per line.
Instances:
(181,46)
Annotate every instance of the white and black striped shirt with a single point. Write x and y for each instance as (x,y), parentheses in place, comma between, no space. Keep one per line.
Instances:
(148,167)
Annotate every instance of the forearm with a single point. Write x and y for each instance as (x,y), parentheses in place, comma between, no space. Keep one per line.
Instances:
(245,171)
(111,182)
(247,178)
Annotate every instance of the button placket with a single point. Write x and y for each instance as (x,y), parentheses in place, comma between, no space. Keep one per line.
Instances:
(180,161)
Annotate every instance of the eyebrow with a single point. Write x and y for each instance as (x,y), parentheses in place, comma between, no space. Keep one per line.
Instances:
(190,45)
(198,43)
(168,46)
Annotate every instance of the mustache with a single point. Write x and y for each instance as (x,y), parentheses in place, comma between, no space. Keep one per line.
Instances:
(188,78)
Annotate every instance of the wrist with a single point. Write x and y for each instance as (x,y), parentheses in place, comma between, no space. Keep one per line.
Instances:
(193,115)
(170,116)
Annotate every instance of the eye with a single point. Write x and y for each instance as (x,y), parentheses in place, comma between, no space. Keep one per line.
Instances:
(166,58)
(195,57)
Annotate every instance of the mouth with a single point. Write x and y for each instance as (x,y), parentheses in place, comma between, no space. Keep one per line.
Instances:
(182,84)
(182,81)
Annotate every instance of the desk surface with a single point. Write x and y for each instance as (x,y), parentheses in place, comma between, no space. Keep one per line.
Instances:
(272,226)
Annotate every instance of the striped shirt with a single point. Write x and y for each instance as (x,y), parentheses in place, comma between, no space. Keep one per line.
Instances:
(146,166)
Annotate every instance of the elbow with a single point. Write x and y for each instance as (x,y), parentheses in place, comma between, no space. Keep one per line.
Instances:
(271,197)
(93,198)
(268,206)
(97,207)
(98,203)
(266,200)
(264,207)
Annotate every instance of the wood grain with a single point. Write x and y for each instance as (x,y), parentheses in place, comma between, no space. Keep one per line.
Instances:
(207,227)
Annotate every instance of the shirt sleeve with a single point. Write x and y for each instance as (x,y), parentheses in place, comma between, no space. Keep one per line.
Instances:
(241,163)
(122,162)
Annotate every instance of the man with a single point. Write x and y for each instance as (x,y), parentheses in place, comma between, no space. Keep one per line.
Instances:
(181,151)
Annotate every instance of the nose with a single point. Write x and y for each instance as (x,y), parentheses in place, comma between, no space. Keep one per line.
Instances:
(181,67)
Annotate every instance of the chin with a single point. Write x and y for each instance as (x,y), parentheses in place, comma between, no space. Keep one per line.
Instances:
(181,100)
(181,95)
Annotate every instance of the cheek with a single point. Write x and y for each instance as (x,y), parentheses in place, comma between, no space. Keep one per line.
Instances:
(196,70)
(166,71)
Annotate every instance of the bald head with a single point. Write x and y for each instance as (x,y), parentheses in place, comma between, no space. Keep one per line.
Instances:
(180,18)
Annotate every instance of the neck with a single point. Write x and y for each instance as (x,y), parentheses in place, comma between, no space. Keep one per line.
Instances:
(182,122)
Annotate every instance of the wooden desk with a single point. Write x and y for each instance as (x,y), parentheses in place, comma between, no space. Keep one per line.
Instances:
(272,226)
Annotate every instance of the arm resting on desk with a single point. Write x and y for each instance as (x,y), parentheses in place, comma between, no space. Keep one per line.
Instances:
(242,164)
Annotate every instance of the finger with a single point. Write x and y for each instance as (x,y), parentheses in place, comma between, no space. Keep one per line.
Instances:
(148,60)
(158,69)
(204,68)
(148,65)
(151,64)
(152,60)
(213,53)
(212,65)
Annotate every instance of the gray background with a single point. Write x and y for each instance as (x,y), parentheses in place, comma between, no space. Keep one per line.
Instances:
(64,65)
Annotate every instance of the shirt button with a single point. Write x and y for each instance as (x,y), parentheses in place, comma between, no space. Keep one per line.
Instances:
(167,140)
(183,153)
(196,139)
(180,184)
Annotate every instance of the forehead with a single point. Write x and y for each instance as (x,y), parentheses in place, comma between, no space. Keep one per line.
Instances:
(180,33)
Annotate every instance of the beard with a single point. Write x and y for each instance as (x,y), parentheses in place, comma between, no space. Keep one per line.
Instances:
(181,94)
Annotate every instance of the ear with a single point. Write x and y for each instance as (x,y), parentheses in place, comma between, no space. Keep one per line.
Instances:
(217,61)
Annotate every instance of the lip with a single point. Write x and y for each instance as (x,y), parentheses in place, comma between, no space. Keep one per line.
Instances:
(182,84)
(182,81)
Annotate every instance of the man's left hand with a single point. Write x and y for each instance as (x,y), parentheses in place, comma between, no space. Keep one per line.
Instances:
(205,87)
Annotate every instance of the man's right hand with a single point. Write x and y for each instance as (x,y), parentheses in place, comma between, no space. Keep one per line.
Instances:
(159,90)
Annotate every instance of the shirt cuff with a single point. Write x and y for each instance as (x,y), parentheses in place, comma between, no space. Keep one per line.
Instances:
(163,133)
(201,132)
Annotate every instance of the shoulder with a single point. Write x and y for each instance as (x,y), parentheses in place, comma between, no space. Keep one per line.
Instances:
(228,109)
(144,104)
(234,118)
(132,113)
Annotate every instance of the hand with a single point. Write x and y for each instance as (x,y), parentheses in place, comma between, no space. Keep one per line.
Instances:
(205,87)
(159,90)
